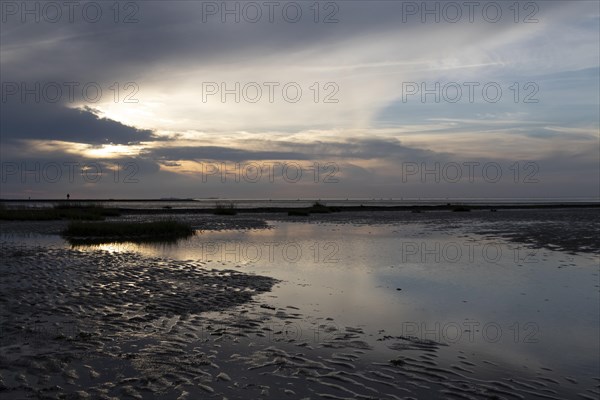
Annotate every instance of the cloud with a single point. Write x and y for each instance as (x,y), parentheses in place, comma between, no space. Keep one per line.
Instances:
(361,62)
(351,149)
(57,122)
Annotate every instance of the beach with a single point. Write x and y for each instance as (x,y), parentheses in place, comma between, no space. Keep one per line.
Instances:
(384,304)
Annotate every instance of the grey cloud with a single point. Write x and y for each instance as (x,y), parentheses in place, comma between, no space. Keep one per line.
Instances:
(352,149)
(57,122)
(175,30)
(168,155)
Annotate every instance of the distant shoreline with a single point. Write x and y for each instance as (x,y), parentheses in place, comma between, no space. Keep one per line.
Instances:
(448,205)
(454,201)
(406,208)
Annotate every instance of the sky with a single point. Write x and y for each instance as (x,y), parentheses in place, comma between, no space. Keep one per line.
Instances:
(304,99)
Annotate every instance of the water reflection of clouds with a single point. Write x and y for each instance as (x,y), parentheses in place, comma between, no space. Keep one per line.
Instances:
(535,306)
(360,289)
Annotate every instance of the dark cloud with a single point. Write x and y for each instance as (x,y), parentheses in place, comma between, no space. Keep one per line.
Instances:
(44,121)
(167,155)
(366,149)
(161,32)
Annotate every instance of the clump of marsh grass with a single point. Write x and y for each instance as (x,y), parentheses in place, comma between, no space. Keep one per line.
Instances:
(102,232)
(316,208)
(321,208)
(299,213)
(225,209)
(461,209)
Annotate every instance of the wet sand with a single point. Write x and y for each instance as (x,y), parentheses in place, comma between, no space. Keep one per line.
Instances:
(572,230)
(101,324)
(62,307)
